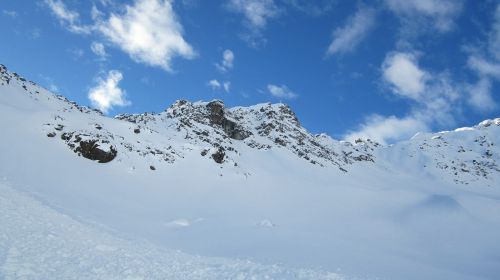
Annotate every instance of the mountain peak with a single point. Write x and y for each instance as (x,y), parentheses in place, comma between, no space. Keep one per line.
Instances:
(226,136)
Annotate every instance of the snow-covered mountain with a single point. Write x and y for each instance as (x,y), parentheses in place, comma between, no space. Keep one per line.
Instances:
(243,182)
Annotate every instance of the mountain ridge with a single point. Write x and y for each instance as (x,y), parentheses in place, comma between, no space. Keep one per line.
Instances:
(219,133)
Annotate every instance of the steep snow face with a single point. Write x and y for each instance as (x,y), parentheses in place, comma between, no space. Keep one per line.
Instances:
(245,182)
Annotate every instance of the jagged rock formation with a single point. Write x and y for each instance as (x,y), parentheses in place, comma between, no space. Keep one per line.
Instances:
(226,135)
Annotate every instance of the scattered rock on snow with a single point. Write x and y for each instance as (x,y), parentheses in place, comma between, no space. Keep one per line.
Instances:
(219,155)
(90,149)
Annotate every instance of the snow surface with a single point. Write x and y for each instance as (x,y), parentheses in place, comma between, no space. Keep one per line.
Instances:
(426,208)
(37,242)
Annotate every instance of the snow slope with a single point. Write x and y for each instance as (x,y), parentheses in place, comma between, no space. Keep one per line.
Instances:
(237,183)
(40,243)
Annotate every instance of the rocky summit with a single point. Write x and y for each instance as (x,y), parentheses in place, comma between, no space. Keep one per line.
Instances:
(224,135)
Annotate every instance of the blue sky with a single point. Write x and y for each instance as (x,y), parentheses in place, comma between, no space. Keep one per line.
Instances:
(381,69)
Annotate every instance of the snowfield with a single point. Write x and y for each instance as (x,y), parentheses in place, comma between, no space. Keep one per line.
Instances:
(201,191)
(37,242)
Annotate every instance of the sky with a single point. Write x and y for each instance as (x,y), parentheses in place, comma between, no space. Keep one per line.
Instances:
(381,69)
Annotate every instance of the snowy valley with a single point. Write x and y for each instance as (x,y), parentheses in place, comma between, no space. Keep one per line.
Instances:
(201,191)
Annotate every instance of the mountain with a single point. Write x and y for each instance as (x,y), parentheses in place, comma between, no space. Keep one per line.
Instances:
(238,183)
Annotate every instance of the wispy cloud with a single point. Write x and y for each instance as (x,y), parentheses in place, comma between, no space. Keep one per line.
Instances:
(216,85)
(433,98)
(346,38)
(36,33)
(70,19)
(107,93)
(76,53)
(440,15)
(9,13)
(484,61)
(480,96)
(49,83)
(387,129)
(256,15)
(483,67)
(313,8)
(98,49)
(281,91)
(494,36)
(227,62)
(149,32)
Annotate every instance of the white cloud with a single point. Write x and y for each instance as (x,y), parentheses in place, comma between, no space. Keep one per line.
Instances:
(281,91)
(483,67)
(314,8)
(484,61)
(256,13)
(387,129)
(480,96)
(67,17)
(149,32)
(77,53)
(441,14)
(401,71)
(95,13)
(346,38)
(107,93)
(227,86)
(435,101)
(53,88)
(36,33)
(494,36)
(227,62)
(50,84)
(216,85)
(9,13)
(98,49)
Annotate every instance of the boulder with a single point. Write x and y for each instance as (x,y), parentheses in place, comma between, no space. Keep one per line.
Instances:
(219,156)
(90,149)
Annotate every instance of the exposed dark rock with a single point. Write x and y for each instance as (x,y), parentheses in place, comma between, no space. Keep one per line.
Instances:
(216,110)
(152,167)
(90,149)
(234,131)
(51,134)
(66,136)
(280,141)
(217,117)
(137,131)
(219,156)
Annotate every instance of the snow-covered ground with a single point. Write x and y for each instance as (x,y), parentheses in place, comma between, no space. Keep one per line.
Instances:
(37,242)
(427,208)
